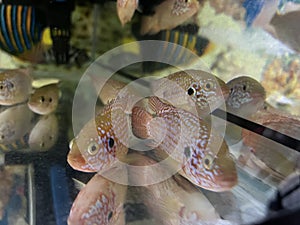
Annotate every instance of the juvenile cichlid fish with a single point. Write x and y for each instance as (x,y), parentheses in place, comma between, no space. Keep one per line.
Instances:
(15,86)
(193,90)
(100,202)
(246,96)
(15,122)
(102,141)
(44,134)
(168,15)
(200,152)
(174,201)
(126,9)
(44,100)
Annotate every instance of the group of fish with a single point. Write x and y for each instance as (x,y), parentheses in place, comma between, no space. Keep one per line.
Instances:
(177,123)
(27,113)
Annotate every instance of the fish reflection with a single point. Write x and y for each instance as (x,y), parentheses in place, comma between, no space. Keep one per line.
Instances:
(44,100)
(102,141)
(44,134)
(193,90)
(200,151)
(99,202)
(172,201)
(15,123)
(15,86)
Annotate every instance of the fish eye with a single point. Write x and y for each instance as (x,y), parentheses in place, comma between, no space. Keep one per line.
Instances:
(50,99)
(42,99)
(93,148)
(208,86)
(208,162)
(231,90)
(110,214)
(244,87)
(1,87)
(111,142)
(191,91)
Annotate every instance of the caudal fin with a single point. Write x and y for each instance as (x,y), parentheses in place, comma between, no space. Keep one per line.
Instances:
(140,122)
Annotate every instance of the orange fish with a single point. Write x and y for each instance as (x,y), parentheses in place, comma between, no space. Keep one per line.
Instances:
(103,141)
(196,91)
(196,147)
(168,15)
(100,202)
(126,9)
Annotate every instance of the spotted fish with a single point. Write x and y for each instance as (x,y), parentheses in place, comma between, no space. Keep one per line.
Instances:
(168,15)
(197,91)
(102,141)
(100,202)
(44,100)
(198,149)
(15,86)
(246,96)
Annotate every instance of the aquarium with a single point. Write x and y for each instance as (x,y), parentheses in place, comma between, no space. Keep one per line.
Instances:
(173,112)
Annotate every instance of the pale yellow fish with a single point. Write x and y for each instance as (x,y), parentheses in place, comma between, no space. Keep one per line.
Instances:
(15,122)
(44,100)
(44,134)
(198,149)
(103,140)
(100,202)
(110,90)
(196,91)
(168,15)
(15,86)
(126,9)
(173,201)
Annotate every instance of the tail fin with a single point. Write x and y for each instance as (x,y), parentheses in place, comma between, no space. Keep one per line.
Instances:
(140,122)
(156,104)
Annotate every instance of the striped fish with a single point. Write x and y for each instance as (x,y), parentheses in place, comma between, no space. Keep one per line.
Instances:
(20,28)
(16,145)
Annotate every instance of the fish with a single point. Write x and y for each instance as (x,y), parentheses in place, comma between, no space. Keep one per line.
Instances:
(102,141)
(15,123)
(246,96)
(172,201)
(126,9)
(168,15)
(21,31)
(99,202)
(44,134)
(199,152)
(44,100)
(15,86)
(196,91)
(110,90)
(275,156)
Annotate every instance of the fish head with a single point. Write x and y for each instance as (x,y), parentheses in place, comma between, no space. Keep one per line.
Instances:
(45,99)
(98,145)
(192,89)
(99,202)
(246,95)
(210,170)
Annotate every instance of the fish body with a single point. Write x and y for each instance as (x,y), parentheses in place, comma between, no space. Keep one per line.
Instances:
(172,201)
(102,141)
(196,147)
(100,202)
(246,96)
(21,31)
(15,86)
(15,122)
(168,15)
(44,100)
(126,9)
(193,90)
(44,134)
